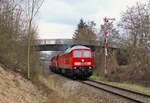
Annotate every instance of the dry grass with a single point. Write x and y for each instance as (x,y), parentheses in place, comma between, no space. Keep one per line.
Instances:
(16,89)
(132,86)
(128,85)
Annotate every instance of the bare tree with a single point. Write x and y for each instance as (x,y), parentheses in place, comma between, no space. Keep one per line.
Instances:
(17,32)
(136,21)
(31,7)
(136,25)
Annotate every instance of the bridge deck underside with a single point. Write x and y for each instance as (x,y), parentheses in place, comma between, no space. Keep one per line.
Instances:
(61,47)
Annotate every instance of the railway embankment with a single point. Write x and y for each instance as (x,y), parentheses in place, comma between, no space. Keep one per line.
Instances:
(124,84)
(16,89)
(73,91)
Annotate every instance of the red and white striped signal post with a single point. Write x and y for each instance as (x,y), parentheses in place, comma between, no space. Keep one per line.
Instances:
(107,26)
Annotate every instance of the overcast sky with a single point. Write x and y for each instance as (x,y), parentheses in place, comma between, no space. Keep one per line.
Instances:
(59,18)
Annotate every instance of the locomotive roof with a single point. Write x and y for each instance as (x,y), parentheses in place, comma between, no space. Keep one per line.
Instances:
(76,47)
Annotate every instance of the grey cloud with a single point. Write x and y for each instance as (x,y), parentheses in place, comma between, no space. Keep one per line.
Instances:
(68,11)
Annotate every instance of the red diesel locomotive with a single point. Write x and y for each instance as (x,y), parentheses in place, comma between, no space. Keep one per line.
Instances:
(74,62)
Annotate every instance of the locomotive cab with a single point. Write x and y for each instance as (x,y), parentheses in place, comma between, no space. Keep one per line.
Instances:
(82,61)
(82,58)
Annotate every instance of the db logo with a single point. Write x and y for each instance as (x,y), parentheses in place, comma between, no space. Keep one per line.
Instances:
(82,60)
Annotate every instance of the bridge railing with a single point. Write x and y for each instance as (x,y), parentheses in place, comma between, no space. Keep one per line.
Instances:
(66,41)
(53,41)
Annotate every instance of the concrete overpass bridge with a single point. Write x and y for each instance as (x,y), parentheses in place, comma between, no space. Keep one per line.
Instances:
(63,44)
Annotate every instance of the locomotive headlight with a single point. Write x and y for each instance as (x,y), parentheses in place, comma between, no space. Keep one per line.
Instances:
(74,67)
(88,63)
(77,63)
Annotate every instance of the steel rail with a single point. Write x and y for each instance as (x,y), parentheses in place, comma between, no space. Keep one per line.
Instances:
(117,87)
(113,91)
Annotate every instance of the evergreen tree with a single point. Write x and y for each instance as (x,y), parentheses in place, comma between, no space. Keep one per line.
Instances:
(85,33)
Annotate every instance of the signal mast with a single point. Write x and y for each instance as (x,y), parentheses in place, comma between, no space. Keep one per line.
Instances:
(107,27)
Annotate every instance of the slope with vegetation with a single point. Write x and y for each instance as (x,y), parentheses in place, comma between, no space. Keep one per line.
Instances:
(16,89)
(131,60)
(135,24)
(17,34)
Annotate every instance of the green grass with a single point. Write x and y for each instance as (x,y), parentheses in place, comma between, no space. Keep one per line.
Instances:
(93,75)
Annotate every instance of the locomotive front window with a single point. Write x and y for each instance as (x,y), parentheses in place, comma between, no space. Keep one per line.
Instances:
(87,53)
(77,53)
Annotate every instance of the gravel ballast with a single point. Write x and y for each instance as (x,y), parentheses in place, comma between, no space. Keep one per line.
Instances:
(75,92)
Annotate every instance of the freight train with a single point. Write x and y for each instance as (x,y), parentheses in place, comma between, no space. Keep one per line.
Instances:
(75,62)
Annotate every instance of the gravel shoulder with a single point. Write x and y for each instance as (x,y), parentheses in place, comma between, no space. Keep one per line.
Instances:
(73,91)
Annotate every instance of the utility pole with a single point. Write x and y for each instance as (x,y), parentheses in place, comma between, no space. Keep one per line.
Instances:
(107,26)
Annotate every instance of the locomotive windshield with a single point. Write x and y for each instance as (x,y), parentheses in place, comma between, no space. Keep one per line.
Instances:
(87,53)
(77,53)
(82,53)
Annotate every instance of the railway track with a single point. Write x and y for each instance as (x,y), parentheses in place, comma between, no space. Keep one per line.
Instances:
(125,93)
